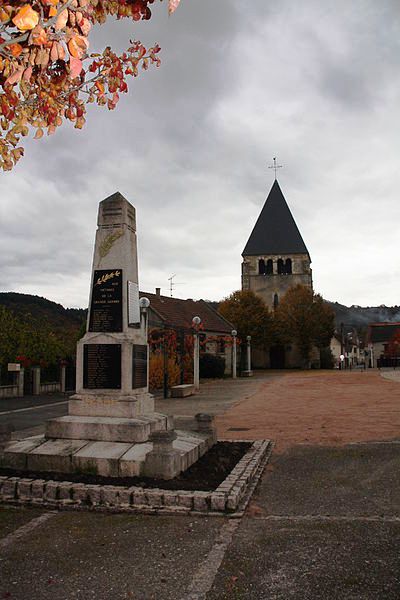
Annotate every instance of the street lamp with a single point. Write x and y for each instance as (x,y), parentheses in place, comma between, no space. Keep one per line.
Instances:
(234,334)
(144,304)
(248,372)
(196,353)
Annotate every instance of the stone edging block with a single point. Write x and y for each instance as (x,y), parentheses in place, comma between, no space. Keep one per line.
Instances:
(230,497)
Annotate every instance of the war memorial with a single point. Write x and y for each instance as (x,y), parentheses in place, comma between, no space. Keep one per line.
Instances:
(111,429)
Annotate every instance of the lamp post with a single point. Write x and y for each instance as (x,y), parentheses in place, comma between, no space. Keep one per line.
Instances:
(196,353)
(248,372)
(144,304)
(234,334)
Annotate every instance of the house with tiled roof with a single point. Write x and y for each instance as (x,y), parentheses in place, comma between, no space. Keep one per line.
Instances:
(177,314)
(379,336)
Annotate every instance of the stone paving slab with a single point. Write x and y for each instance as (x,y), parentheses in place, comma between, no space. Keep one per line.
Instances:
(86,555)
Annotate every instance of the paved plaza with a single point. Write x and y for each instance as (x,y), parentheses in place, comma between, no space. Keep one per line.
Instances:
(324,521)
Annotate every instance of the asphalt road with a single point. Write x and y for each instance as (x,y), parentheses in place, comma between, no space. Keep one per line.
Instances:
(324,523)
(29,414)
(32,411)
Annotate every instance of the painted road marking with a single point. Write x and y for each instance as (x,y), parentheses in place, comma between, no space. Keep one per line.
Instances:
(203,579)
(25,529)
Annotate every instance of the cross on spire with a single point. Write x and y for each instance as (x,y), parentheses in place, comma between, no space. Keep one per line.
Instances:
(274,166)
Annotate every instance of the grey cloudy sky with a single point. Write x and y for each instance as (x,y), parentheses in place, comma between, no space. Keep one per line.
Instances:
(316,84)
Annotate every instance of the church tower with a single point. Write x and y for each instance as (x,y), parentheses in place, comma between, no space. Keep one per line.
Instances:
(275,257)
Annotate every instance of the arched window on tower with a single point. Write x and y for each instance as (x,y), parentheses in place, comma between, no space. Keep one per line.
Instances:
(276,301)
(281,267)
(288,266)
(269,268)
(261,267)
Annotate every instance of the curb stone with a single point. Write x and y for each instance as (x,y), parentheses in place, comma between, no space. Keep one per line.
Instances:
(229,498)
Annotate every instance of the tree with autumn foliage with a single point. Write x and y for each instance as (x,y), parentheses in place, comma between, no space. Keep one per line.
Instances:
(305,319)
(250,315)
(29,343)
(393,348)
(48,76)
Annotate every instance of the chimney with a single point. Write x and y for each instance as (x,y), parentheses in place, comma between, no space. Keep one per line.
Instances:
(158,292)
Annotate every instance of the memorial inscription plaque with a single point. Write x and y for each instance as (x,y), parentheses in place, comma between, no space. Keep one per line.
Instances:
(102,366)
(106,305)
(133,305)
(139,366)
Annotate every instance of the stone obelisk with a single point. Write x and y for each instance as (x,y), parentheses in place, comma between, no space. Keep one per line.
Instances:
(111,428)
(112,371)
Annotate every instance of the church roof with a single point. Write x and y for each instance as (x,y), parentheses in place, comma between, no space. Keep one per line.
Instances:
(275,231)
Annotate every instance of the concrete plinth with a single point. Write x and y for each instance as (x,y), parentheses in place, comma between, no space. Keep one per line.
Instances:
(106,429)
(182,391)
(174,452)
(107,405)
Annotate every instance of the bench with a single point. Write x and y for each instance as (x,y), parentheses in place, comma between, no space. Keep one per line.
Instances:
(181,391)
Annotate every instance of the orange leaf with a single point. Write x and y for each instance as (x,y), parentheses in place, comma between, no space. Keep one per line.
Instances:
(39,36)
(77,46)
(52,11)
(16,49)
(38,134)
(100,87)
(26,18)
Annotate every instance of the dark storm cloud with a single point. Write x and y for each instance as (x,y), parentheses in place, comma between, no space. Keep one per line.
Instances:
(240,82)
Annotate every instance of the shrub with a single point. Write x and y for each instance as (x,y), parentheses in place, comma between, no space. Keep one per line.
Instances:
(211,366)
(156,371)
(327,360)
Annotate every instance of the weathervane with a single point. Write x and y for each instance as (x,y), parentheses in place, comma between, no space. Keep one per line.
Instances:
(274,166)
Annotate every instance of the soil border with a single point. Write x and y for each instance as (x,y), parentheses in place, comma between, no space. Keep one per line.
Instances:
(230,497)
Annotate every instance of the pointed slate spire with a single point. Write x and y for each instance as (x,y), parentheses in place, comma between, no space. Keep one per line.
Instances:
(275,231)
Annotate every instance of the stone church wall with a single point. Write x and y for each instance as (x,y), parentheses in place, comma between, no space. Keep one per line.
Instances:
(270,287)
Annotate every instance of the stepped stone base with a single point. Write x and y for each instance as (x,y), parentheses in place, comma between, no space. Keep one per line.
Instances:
(106,429)
(105,405)
(106,458)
